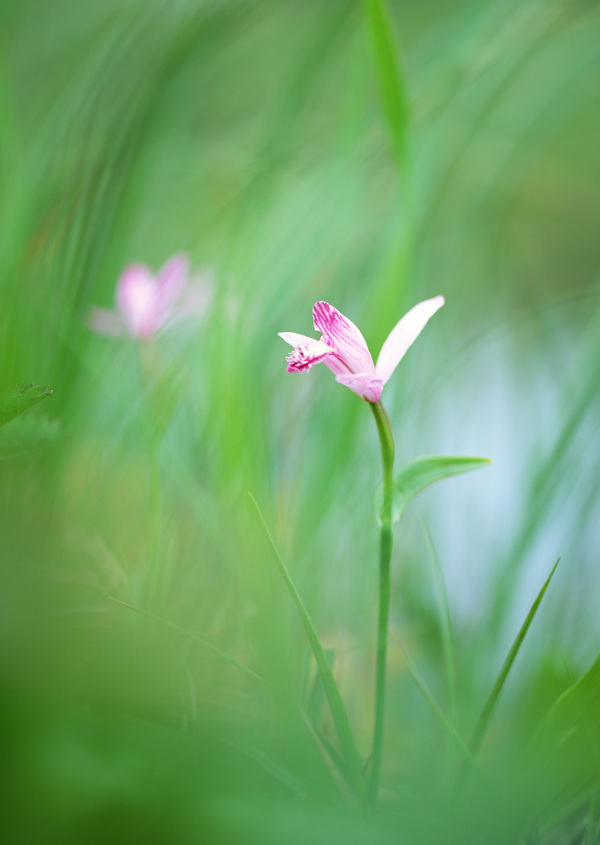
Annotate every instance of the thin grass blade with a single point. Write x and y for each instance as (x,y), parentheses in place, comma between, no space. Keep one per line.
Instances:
(191,634)
(445,621)
(439,713)
(490,705)
(334,698)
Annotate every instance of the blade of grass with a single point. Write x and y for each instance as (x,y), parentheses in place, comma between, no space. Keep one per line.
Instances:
(316,697)
(330,753)
(391,83)
(438,712)
(190,634)
(445,620)
(334,699)
(490,705)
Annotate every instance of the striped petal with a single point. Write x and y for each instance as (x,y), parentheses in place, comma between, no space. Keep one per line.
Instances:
(343,336)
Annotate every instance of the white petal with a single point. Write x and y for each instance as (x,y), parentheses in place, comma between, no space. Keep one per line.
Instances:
(295,339)
(403,335)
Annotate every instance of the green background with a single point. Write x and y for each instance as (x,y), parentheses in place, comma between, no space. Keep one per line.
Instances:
(298,151)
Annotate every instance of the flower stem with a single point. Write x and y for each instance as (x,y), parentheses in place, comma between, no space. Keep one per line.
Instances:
(386,439)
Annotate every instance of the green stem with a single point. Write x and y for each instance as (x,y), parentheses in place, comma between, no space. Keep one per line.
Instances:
(386,439)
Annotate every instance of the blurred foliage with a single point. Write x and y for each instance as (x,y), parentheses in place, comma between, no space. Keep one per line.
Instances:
(372,155)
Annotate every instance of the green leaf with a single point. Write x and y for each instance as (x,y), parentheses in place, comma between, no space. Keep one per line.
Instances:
(16,400)
(418,474)
(23,435)
(575,712)
(568,743)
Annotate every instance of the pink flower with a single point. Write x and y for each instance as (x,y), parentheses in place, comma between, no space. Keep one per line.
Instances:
(343,349)
(147,303)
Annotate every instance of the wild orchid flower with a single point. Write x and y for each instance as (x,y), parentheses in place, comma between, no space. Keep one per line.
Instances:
(344,350)
(146,304)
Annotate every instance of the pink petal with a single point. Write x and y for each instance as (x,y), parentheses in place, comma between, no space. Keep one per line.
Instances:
(103,321)
(303,357)
(337,366)
(171,281)
(344,337)
(365,385)
(403,335)
(138,302)
(193,302)
(198,293)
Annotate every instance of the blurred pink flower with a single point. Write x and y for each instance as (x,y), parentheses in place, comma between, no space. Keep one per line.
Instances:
(344,350)
(147,303)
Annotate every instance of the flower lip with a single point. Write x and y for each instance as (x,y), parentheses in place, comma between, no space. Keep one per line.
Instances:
(303,357)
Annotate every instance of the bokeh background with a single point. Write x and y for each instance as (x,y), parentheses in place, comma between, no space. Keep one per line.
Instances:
(293,159)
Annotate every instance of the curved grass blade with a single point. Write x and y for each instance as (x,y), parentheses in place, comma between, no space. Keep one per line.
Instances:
(334,699)
(490,705)
(415,476)
(190,634)
(391,84)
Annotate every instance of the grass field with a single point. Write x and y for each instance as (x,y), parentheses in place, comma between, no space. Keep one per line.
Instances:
(159,682)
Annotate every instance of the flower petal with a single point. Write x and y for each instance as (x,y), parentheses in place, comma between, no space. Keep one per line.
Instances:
(344,337)
(403,335)
(365,385)
(295,339)
(171,280)
(337,366)
(103,321)
(136,296)
(303,357)
(194,301)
